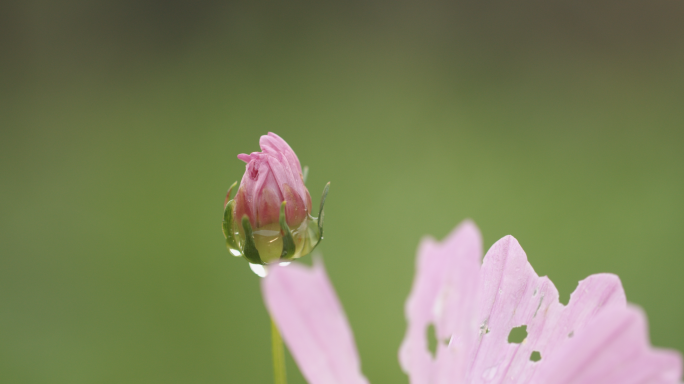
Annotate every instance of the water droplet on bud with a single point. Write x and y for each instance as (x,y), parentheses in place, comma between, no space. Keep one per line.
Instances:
(259,270)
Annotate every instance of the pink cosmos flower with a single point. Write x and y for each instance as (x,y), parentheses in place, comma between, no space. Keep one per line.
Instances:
(271,177)
(473,306)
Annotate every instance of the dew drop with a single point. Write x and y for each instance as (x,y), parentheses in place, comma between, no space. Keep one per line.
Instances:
(259,270)
(268,242)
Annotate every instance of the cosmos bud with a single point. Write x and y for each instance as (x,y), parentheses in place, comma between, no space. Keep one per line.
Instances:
(270,218)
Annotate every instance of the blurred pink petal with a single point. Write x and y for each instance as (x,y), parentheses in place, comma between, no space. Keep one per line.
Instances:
(509,295)
(513,295)
(613,348)
(305,307)
(444,294)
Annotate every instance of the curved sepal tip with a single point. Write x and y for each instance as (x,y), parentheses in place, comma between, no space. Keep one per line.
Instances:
(320,211)
(231,241)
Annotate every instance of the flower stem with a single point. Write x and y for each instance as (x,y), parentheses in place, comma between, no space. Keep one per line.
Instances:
(278,355)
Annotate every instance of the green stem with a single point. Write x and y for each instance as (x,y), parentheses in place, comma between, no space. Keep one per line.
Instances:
(278,355)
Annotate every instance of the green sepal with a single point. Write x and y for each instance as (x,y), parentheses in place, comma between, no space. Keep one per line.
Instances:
(288,240)
(231,241)
(305,173)
(230,189)
(250,251)
(321,214)
(320,211)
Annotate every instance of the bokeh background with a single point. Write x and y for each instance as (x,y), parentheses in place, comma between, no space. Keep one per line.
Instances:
(558,122)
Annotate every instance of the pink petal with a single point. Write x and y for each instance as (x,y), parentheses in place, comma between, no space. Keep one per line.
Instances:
(295,208)
(284,163)
(244,157)
(613,348)
(265,180)
(514,295)
(444,294)
(305,307)
(273,143)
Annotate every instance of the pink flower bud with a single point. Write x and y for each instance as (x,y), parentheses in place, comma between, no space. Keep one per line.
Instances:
(270,220)
(272,176)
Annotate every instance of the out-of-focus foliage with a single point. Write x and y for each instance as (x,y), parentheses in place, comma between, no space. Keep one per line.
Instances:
(559,123)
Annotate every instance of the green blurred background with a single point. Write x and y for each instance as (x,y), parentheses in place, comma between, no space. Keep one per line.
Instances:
(558,122)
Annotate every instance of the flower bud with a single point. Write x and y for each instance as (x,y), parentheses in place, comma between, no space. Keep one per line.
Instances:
(270,218)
